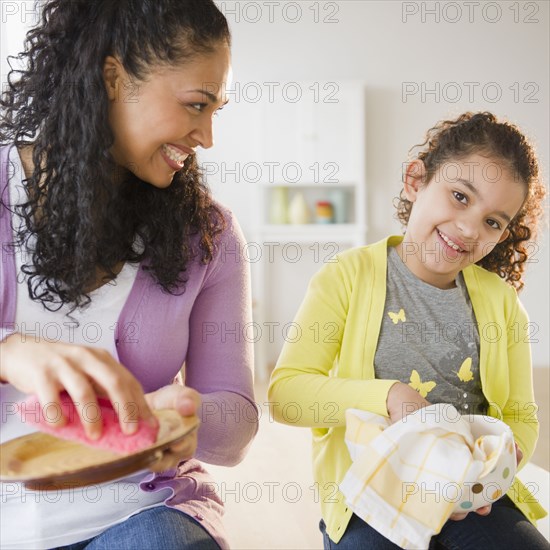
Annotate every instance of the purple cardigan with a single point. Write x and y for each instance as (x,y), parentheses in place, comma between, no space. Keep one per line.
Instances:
(159,332)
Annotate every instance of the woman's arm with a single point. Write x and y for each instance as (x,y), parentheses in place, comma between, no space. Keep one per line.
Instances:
(220,360)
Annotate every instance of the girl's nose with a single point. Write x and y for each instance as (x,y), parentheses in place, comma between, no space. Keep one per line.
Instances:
(468,228)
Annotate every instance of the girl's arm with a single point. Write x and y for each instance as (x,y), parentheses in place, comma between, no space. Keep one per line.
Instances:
(220,360)
(520,410)
(301,391)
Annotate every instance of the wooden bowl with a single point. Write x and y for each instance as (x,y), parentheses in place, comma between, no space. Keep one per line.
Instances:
(45,462)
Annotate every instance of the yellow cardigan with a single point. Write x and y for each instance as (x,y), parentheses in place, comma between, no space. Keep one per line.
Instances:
(330,368)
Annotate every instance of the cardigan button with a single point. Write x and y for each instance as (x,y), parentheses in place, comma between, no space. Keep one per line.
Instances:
(198,517)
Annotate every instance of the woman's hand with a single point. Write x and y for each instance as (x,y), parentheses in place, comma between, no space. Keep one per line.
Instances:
(403,400)
(187,402)
(46,368)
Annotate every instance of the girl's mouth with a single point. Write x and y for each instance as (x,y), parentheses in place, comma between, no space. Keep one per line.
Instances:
(449,242)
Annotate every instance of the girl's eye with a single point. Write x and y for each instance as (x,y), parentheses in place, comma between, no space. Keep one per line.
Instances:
(494,224)
(460,197)
(198,106)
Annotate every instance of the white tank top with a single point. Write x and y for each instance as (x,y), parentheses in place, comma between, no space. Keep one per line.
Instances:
(31,519)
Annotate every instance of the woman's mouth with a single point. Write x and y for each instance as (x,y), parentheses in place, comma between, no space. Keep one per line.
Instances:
(174,157)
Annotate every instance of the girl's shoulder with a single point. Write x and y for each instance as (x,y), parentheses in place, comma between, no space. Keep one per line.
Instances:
(489,282)
(354,266)
(491,293)
(367,257)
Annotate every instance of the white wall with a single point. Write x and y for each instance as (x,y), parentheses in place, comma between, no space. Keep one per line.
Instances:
(496,47)
(491,47)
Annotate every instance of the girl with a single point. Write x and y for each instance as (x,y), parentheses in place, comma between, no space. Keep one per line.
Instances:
(410,321)
(112,262)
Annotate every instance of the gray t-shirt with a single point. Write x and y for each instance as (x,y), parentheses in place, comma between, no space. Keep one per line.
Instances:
(429,339)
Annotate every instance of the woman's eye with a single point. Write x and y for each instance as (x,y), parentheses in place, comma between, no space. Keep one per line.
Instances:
(494,224)
(198,106)
(460,197)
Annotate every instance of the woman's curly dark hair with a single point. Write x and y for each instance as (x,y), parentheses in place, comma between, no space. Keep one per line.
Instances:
(83,223)
(482,133)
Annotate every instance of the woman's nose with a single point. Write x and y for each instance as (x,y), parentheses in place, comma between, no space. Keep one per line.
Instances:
(203,133)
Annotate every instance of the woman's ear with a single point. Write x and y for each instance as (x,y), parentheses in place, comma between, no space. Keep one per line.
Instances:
(413,179)
(112,76)
(504,236)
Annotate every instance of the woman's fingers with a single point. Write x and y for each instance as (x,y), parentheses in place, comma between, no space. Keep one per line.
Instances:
(121,388)
(186,401)
(173,456)
(82,393)
(47,368)
(181,398)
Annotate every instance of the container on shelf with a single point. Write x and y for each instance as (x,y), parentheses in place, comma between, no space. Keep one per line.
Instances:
(278,210)
(298,211)
(323,212)
(339,200)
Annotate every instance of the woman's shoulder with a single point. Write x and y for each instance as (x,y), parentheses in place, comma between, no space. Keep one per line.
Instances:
(231,231)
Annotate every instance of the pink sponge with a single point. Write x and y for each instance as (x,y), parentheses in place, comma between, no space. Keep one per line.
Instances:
(112,438)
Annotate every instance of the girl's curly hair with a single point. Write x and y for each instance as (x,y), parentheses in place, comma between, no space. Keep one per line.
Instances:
(83,223)
(482,133)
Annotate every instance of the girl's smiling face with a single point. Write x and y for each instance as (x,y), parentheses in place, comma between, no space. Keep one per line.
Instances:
(458,217)
(158,122)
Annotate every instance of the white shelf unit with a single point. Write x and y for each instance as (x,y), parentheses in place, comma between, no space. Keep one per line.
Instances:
(320,146)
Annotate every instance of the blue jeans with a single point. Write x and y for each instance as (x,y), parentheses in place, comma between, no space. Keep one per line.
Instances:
(159,528)
(504,527)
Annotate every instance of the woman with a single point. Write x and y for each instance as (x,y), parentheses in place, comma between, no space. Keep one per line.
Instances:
(113,262)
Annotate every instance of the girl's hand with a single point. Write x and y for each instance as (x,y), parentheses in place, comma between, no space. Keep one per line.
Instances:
(187,402)
(47,368)
(483,511)
(519,454)
(403,400)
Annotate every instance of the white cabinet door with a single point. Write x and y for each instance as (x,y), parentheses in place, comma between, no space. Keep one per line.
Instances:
(321,134)
(339,130)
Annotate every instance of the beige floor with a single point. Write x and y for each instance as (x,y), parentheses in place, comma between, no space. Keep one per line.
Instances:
(271,500)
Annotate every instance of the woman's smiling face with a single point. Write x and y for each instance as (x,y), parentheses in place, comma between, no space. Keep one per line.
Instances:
(458,217)
(158,122)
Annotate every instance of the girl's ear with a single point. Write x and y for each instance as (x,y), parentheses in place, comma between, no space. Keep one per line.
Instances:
(112,75)
(414,178)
